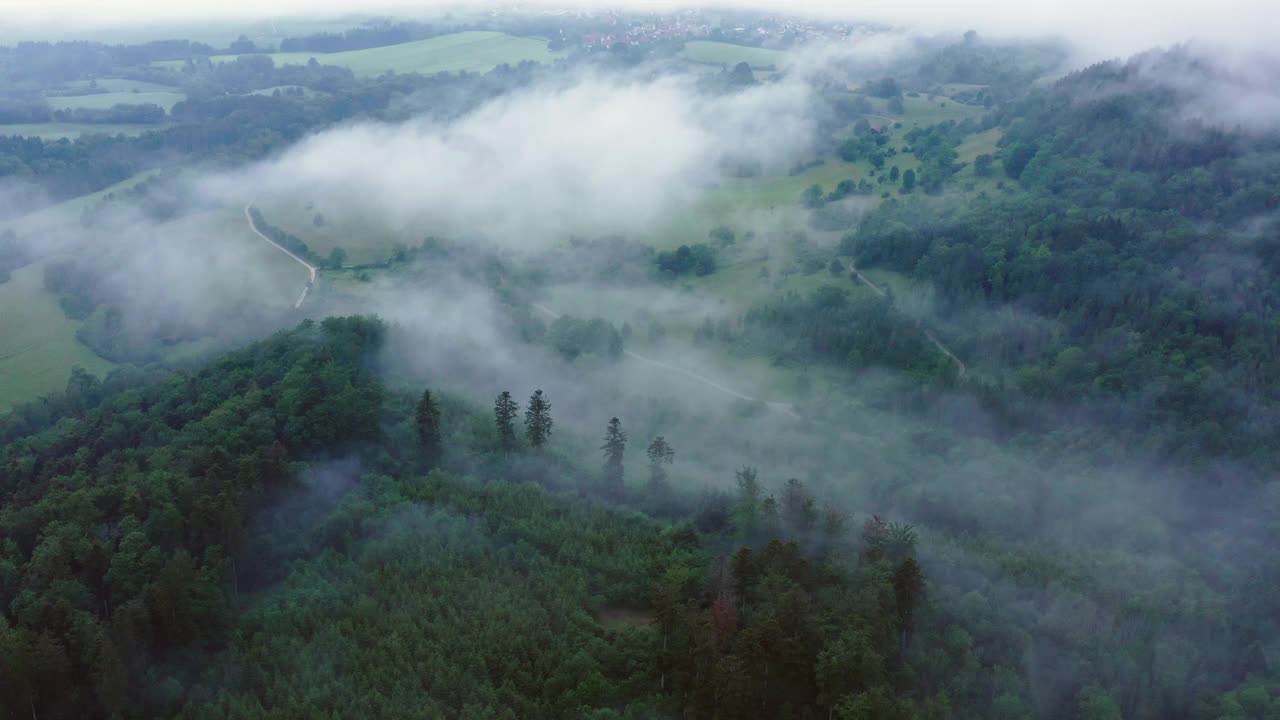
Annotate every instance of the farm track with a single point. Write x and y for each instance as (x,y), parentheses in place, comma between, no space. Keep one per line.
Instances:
(312,269)
(964,371)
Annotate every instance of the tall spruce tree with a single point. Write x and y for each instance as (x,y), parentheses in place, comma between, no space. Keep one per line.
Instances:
(427,419)
(660,454)
(537,420)
(615,445)
(504,414)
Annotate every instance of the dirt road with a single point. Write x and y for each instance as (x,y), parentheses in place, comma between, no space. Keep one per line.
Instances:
(312,269)
(964,371)
(783,408)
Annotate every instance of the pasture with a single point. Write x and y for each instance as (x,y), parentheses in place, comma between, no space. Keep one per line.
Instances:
(470,51)
(306,91)
(70,131)
(361,234)
(68,211)
(38,345)
(708,52)
(104,101)
(110,85)
(924,112)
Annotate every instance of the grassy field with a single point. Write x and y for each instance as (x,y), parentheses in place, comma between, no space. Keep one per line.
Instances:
(362,236)
(216,33)
(307,92)
(38,345)
(239,268)
(114,85)
(70,131)
(721,53)
(471,51)
(69,211)
(924,112)
(973,146)
(680,311)
(102,101)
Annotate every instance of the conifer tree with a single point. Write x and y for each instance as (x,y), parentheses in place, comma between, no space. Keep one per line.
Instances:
(427,420)
(908,590)
(615,444)
(537,420)
(660,453)
(504,414)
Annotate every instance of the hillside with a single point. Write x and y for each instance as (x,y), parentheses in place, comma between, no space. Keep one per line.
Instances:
(283,521)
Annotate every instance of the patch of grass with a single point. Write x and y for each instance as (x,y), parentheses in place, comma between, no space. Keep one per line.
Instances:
(219,34)
(897,283)
(38,345)
(69,210)
(721,53)
(979,144)
(71,131)
(925,112)
(103,101)
(306,91)
(956,88)
(115,85)
(362,235)
(470,51)
(238,266)
(967,179)
(680,311)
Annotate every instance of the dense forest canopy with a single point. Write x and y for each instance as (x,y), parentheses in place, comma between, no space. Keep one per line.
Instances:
(921,385)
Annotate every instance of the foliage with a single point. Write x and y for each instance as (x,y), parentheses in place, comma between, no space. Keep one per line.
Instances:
(537,420)
(699,259)
(572,337)
(122,527)
(427,422)
(614,448)
(505,410)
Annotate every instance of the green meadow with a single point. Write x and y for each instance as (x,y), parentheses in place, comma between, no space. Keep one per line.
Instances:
(103,101)
(722,53)
(70,131)
(38,345)
(470,51)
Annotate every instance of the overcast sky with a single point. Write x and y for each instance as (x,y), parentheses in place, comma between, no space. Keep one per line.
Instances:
(1109,26)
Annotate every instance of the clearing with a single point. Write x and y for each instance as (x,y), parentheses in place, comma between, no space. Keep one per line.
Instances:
(38,345)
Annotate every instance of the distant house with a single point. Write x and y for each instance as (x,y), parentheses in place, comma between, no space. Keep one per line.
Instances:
(877,128)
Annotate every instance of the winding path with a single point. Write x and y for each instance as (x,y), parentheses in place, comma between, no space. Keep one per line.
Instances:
(964,371)
(784,408)
(312,269)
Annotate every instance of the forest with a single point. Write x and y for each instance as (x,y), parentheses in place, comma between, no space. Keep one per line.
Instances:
(137,528)
(923,385)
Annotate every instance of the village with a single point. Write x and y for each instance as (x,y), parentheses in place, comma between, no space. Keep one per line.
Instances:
(607,28)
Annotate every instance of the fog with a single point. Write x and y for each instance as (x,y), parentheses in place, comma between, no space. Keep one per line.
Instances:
(592,155)
(597,154)
(1106,28)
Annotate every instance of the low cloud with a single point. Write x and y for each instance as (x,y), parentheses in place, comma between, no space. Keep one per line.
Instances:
(594,156)
(1102,27)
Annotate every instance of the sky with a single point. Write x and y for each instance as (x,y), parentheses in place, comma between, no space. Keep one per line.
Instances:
(1107,26)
